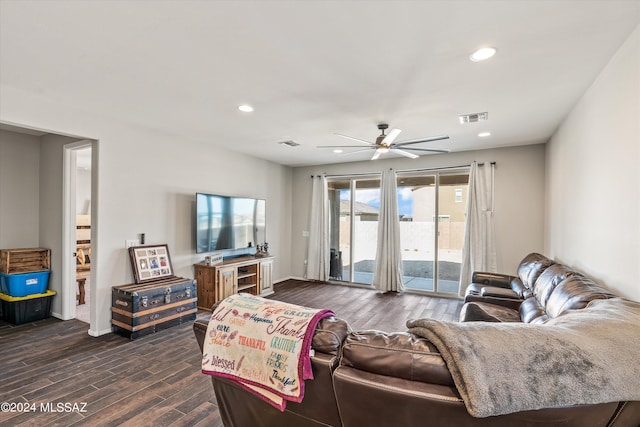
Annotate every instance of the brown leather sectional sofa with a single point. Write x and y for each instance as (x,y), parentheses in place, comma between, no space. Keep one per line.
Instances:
(542,290)
(374,378)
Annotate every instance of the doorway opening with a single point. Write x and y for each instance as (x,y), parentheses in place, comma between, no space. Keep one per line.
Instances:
(354,205)
(78,241)
(432,207)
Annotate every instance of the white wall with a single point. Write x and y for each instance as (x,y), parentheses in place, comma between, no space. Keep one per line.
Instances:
(593,183)
(146,183)
(19,190)
(519,202)
(83,191)
(51,203)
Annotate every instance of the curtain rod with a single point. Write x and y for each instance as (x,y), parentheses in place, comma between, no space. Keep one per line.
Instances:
(348,175)
(442,168)
(405,170)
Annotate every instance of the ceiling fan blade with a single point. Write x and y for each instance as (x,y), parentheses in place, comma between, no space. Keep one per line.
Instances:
(417,141)
(405,153)
(433,150)
(355,139)
(376,154)
(354,152)
(343,146)
(388,139)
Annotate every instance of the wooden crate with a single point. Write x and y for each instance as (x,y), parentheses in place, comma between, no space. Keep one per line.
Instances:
(25,260)
(142,309)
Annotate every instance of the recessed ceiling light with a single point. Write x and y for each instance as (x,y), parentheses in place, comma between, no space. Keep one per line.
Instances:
(484,134)
(482,54)
(338,151)
(245,108)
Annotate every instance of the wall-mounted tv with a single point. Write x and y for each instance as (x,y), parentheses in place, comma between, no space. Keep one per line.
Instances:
(229,223)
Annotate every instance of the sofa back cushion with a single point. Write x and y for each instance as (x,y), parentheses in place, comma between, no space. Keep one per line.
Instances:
(548,280)
(397,354)
(574,292)
(531,267)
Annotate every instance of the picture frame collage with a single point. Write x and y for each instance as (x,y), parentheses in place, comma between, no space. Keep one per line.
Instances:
(150,262)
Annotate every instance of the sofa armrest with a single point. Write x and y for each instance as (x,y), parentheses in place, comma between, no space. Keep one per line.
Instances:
(329,335)
(511,303)
(319,408)
(200,329)
(492,279)
(494,291)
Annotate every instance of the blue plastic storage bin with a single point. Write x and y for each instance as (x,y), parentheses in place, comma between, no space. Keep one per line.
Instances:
(23,284)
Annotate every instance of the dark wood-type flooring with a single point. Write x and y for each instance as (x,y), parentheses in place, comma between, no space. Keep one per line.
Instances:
(156,380)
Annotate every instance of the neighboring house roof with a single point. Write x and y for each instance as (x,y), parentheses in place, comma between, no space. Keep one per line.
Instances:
(360,208)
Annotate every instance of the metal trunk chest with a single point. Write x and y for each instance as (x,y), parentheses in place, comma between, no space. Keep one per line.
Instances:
(142,309)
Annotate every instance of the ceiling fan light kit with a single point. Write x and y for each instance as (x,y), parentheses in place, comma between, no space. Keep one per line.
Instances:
(385,144)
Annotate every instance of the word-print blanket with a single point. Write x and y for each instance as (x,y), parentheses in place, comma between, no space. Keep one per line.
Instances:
(262,345)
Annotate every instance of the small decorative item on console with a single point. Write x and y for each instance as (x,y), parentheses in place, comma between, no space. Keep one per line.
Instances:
(262,250)
(213,259)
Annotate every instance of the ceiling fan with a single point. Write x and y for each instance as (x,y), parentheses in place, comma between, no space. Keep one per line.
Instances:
(384,143)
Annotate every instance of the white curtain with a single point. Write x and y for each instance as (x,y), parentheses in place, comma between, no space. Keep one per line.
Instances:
(388,271)
(478,251)
(318,250)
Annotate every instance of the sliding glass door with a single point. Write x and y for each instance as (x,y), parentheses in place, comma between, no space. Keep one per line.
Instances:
(354,203)
(432,214)
(431,207)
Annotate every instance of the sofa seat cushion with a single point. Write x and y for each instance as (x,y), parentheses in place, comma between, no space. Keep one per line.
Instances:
(398,354)
(531,311)
(486,312)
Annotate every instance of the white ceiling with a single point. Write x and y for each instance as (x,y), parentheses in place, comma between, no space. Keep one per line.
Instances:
(313,68)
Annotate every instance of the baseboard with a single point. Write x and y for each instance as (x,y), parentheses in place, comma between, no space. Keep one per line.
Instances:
(99,333)
(290,278)
(59,316)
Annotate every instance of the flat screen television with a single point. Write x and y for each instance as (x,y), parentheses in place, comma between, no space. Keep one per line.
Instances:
(229,223)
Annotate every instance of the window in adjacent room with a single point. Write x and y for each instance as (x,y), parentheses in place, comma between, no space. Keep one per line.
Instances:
(458,195)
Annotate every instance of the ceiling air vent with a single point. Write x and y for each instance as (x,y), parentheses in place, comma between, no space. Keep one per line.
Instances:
(289,143)
(475,117)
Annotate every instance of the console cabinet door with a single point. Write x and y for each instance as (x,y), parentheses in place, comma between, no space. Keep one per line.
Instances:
(227,281)
(266,277)
(205,288)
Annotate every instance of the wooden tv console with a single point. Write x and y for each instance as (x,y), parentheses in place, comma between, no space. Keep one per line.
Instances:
(245,274)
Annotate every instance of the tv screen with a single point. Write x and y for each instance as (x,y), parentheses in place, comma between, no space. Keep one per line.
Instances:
(226,222)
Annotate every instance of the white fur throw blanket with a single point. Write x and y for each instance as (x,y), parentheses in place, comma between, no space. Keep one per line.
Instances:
(586,356)
(262,345)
